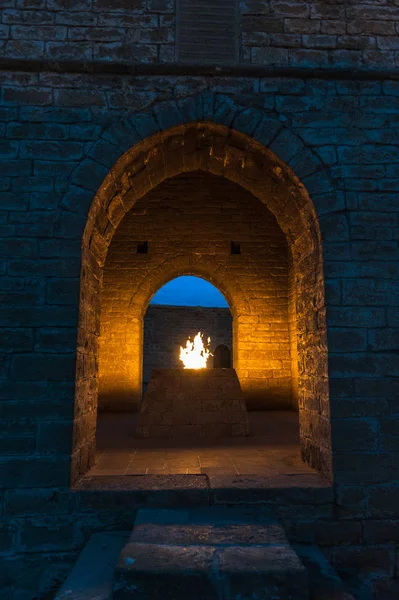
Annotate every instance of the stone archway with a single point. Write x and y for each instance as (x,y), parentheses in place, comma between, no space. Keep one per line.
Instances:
(189,222)
(224,152)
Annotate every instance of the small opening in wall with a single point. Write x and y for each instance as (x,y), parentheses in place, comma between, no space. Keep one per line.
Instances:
(235,248)
(222,357)
(142,248)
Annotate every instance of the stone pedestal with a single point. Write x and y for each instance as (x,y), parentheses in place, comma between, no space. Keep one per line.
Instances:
(193,403)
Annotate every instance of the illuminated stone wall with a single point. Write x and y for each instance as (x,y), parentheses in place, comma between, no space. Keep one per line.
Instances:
(195,217)
(168,157)
(166,328)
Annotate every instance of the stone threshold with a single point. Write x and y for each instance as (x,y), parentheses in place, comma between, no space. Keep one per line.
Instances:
(194,70)
(201,490)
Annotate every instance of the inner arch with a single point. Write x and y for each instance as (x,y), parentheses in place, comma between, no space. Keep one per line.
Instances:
(189,290)
(180,309)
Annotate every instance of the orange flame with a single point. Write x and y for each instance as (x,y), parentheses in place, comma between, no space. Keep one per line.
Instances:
(195,355)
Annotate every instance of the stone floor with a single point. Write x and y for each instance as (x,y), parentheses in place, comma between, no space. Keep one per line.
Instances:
(272,450)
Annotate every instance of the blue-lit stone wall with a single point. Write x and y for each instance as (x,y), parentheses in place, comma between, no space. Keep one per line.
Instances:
(60,133)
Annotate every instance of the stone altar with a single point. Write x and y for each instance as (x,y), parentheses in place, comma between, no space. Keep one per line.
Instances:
(193,403)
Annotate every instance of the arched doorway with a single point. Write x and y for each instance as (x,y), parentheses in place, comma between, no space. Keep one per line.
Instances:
(179,310)
(295,369)
(189,227)
(221,357)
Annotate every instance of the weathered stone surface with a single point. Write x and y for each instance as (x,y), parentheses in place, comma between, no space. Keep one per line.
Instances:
(265,571)
(292,489)
(208,552)
(94,494)
(207,526)
(173,404)
(54,118)
(152,572)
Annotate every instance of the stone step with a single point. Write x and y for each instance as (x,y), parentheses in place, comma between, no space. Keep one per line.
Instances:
(92,576)
(209,553)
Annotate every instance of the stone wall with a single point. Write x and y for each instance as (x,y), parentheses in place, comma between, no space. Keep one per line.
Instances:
(166,328)
(62,132)
(271,32)
(198,215)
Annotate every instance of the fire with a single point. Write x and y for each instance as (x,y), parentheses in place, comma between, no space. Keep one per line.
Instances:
(194,355)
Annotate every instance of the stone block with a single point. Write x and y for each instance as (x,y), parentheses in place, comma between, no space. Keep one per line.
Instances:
(43,533)
(59,248)
(89,174)
(381,531)
(271,570)
(155,572)
(344,340)
(44,501)
(167,114)
(383,501)
(35,367)
(334,228)
(35,471)
(367,468)
(16,340)
(69,51)
(63,292)
(375,561)
(354,434)
(286,145)
(27,49)
(160,6)
(225,110)
(157,491)
(8,149)
(359,317)
(54,438)
(8,537)
(105,153)
(301,490)
(52,150)
(247,121)
(208,526)
(17,445)
(203,403)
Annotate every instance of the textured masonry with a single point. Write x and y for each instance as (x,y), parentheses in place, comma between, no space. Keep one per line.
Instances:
(193,404)
(189,222)
(220,151)
(269,32)
(166,328)
(61,133)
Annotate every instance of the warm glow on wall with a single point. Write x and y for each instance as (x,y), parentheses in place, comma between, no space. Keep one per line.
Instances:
(195,355)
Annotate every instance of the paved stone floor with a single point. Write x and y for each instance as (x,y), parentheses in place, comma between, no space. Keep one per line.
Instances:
(272,450)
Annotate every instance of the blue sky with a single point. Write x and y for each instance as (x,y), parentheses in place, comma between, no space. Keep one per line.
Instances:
(189,291)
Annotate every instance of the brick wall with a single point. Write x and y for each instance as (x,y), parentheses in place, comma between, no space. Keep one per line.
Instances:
(320,33)
(166,328)
(192,215)
(271,32)
(61,134)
